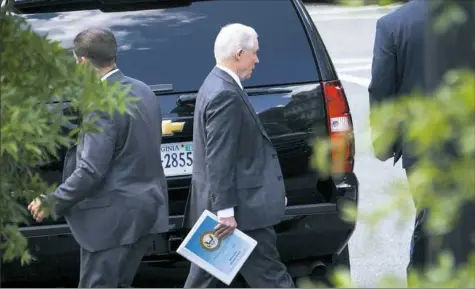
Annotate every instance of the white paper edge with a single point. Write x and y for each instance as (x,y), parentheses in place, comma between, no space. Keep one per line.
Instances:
(192,257)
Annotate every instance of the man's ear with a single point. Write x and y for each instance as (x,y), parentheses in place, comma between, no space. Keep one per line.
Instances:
(238,54)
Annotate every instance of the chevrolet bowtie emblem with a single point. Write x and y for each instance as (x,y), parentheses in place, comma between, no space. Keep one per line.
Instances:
(169,127)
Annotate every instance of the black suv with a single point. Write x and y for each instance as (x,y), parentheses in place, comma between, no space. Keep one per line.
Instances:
(294,90)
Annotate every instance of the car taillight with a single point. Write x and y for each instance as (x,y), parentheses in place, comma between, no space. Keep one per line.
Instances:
(340,127)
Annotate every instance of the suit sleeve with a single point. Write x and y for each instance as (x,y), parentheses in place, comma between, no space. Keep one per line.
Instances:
(223,129)
(383,81)
(383,71)
(94,162)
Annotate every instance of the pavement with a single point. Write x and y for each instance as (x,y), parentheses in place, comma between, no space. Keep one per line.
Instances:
(348,33)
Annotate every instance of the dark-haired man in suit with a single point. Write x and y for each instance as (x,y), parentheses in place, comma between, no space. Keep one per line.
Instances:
(114,195)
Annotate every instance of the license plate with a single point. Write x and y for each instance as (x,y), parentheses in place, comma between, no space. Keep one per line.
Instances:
(177,158)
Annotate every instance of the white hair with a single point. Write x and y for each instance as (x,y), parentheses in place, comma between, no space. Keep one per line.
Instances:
(231,38)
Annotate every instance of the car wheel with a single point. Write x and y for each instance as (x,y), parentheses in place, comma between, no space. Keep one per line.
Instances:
(322,278)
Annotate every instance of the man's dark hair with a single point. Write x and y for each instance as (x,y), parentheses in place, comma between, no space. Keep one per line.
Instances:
(97,45)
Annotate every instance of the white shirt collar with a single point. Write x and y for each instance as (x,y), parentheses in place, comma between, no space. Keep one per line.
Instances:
(233,75)
(109,74)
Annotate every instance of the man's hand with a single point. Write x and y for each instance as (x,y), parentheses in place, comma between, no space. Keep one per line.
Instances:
(34,208)
(225,227)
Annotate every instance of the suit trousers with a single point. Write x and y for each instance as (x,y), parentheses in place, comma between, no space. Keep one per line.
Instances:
(263,268)
(419,248)
(112,268)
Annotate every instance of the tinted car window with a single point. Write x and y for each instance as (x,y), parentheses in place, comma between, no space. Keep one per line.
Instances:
(176,45)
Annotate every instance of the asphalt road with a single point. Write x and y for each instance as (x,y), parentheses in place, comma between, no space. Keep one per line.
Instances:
(349,36)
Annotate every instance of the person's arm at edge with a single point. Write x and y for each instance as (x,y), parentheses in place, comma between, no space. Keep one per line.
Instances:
(96,156)
(223,127)
(382,87)
(383,70)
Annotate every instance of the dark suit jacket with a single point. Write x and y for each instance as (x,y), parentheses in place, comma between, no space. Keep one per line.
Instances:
(398,62)
(114,190)
(234,162)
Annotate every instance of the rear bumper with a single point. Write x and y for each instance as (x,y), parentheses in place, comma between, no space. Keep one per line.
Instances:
(306,232)
(175,222)
(63,229)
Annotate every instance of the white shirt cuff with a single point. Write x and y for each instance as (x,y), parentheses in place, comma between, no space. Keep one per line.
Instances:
(226,213)
(229,212)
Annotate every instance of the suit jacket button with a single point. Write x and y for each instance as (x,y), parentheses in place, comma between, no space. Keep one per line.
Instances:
(274,156)
(279,178)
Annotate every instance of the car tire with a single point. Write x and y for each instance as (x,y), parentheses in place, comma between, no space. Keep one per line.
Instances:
(341,262)
(323,280)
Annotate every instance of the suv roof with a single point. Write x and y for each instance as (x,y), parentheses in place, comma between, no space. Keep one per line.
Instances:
(175,45)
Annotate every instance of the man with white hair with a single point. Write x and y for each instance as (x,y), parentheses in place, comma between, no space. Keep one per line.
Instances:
(236,172)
